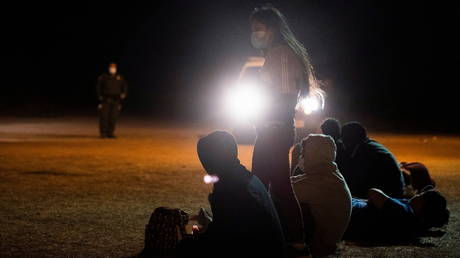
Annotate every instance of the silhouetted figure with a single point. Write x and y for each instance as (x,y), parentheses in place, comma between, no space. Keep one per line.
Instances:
(286,74)
(371,164)
(244,222)
(111,89)
(381,217)
(331,127)
(323,195)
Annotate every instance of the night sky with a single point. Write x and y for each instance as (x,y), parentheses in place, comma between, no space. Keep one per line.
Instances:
(176,54)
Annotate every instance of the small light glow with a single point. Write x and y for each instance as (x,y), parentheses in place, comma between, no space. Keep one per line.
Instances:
(309,104)
(210,179)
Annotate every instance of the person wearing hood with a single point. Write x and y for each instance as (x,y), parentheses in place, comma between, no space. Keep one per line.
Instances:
(331,127)
(323,195)
(244,220)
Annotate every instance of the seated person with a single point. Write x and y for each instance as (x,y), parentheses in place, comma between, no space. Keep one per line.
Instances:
(381,217)
(244,222)
(331,127)
(371,164)
(323,195)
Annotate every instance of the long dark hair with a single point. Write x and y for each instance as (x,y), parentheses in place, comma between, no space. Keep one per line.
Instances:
(275,20)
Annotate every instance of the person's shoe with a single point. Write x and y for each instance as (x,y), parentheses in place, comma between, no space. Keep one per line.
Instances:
(111,136)
(103,136)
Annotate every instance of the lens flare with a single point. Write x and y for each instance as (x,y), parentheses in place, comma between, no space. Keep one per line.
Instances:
(309,104)
(210,179)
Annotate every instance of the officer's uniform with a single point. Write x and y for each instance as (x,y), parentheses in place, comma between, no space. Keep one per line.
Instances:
(110,89)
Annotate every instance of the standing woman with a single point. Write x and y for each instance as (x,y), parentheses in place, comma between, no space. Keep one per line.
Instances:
(285,75)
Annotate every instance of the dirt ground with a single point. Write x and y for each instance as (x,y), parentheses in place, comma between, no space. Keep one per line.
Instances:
(65,192)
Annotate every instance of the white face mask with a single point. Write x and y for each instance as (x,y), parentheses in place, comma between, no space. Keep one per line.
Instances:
(259,39)
(112,70)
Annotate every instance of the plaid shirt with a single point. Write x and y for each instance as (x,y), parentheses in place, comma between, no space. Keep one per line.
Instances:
(283,70)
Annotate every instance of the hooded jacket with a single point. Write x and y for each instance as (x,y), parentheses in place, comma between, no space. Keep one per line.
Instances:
(323,195)
(245,222)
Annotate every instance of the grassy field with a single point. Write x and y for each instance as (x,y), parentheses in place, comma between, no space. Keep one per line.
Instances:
(65,192)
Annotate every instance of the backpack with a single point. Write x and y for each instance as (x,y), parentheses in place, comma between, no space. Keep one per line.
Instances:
(417,175)
(165,229)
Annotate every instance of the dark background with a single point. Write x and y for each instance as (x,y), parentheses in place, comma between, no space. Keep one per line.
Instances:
(177,54)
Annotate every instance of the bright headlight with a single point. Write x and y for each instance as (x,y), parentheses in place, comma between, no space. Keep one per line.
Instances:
(245,101)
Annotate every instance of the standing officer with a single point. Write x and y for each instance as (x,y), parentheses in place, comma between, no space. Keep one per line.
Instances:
(111,89)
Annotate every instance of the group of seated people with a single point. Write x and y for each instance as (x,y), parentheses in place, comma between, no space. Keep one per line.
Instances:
(349,187)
